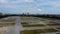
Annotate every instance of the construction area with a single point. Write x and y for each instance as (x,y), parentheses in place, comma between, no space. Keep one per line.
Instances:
(29,25)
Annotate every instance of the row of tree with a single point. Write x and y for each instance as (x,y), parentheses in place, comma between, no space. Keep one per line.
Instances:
(33,15)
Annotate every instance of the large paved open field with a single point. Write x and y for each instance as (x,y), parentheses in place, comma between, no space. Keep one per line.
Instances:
(33,25)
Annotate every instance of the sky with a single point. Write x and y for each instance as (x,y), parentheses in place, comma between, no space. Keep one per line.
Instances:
(30,6)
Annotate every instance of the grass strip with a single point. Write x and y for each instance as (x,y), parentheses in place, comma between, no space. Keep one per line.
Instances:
(24,23)
(37,31)
(35,25)
(7,24)
(53,24)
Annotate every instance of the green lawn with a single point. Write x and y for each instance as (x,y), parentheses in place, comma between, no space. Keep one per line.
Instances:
(24,23)
(8,20)
(28,32)
(7,24)
(53,24)
(58,28)
(38,31)
(35,25)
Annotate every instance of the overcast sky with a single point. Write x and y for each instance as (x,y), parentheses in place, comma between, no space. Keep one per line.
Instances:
(31,6)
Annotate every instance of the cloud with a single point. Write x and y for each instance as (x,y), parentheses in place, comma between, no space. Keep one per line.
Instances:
(3,1)
(25,0)
(44,6)
(49,6)
(39,9)
(15,1)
